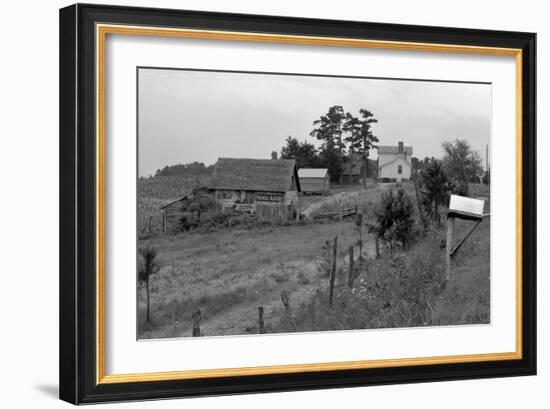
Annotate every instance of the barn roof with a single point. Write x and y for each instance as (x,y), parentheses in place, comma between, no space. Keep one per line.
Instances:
(254,174)
(393,150)
(312,173)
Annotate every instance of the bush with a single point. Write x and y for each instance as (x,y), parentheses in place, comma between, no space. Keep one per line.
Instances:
(395,219)
(436,186)
(185,223)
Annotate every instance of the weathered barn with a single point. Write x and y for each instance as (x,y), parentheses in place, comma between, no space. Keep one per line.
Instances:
(353,171)
(394,162)
(267,188)
(314,180)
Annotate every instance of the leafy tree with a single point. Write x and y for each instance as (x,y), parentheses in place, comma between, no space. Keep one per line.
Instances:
(462,164)
(487,177)
(333,162)
(187,169)
(341,134)
(329,130)
(304,153)
(146,270)
(394,215)
(361,139)
(436,187)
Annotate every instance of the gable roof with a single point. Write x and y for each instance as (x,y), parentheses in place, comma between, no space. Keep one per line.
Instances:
(396,159)
(393,150)
(254,174)
(312,173)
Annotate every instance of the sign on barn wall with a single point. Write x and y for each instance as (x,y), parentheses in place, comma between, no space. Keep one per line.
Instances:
(269,197)
(467,206)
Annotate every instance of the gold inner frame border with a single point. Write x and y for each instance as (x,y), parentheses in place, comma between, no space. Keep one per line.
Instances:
(102,30)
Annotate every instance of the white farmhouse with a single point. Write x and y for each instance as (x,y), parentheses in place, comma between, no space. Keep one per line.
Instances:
(394,162)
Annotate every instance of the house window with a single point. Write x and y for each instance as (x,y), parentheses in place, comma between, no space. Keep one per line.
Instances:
(399,169)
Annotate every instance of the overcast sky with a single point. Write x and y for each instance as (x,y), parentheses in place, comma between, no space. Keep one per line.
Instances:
(187,116)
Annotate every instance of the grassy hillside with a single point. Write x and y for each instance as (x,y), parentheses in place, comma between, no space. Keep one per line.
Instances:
(407,289)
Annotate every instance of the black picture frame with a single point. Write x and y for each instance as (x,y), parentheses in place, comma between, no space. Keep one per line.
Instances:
(78,360)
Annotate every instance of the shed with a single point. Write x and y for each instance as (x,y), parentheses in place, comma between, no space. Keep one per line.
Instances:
(173,211)
(267,188)
(353,171)
(314,180)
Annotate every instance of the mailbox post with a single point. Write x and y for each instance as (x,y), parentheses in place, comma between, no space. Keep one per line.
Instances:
(462,208)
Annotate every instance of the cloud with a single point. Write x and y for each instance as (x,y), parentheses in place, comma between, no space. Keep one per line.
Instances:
(187,116)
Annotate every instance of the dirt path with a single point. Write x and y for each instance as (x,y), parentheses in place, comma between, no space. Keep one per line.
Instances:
(243,318)
(227,274)
(336,200)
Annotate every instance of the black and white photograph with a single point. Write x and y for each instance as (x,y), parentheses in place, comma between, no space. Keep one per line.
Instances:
(280,203)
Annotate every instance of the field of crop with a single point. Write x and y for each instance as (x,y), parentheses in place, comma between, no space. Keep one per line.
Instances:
(156,191)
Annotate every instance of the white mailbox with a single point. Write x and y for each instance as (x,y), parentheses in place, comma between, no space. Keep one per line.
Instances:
(466,207)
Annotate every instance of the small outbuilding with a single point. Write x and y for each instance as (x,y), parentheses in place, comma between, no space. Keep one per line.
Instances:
(267,188)
(353,171)
(172,213)
(314,180)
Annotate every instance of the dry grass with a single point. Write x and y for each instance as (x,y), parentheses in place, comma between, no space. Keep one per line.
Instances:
(229,273)
(408,289)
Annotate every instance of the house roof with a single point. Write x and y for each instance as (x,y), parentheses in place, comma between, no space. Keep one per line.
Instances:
(393,150)
(312,173)
(396,159)
(254,174)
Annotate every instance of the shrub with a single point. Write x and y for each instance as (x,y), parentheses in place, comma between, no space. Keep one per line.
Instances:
(436,188)
(395,219)
(147,268)
(185,223)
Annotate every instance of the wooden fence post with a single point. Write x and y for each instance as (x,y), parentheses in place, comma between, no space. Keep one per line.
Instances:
(286,304)
(329,257)
(351,272)
(450,230)
(197,323)
(261,320)
(333,271)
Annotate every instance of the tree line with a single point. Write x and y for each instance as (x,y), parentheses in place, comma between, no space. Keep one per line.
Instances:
(185,169)
(343,136)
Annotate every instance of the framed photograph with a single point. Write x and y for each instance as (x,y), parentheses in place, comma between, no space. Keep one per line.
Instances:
(257,203)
